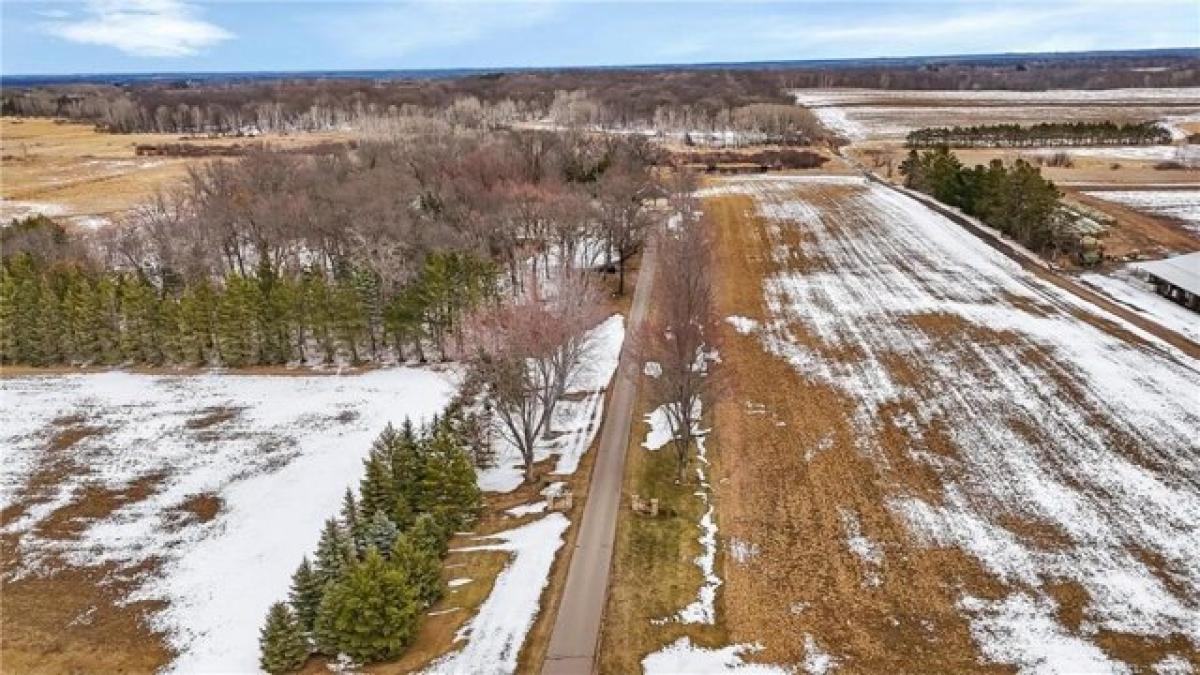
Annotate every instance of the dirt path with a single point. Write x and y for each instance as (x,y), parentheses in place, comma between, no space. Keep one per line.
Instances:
(577,627)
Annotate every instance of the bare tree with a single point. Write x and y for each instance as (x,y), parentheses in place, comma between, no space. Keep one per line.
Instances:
(528,352)
(621,200)
(683,331)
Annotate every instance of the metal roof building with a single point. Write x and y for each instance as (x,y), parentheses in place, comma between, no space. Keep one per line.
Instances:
(1176,278)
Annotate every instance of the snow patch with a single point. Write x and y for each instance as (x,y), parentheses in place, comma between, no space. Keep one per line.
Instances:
(684,657)
(743,325)
(495,634)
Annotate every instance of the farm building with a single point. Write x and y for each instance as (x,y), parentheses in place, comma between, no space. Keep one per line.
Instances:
(1176,278)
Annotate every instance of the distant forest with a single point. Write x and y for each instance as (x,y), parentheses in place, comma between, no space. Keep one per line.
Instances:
(670,98)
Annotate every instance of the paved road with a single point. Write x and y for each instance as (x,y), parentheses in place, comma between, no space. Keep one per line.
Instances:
(576,633)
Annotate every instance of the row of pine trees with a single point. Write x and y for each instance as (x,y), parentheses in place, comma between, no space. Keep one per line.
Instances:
(1014,199)
(1043,134)
(66,312)
(378,565)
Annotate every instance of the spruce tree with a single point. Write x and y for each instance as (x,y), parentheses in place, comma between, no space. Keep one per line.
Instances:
(371,614)
(305,595)
(350,516)
(380,532)
(282,644)
(335,553)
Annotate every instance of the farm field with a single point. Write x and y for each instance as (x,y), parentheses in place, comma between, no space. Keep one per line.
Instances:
(867,114)
(933,461)
(72,171)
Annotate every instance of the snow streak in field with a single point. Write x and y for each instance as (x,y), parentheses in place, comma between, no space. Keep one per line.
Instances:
(1054,421)
(496,633)
(279,465)
(684,657)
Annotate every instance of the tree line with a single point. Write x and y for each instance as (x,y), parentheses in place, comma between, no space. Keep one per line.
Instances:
(628,97)
(1014,199)
(1043,134)
(374,253)
(377,566)
(68,313)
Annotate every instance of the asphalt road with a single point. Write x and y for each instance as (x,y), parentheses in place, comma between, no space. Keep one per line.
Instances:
(576,634)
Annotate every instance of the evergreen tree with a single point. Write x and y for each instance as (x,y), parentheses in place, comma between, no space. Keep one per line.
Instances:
(350,517)
(429,534)
(282,643)
(449,487)
(424,568)
(379,533)
(378,491)
(335,553)
(305,594)
(371,614)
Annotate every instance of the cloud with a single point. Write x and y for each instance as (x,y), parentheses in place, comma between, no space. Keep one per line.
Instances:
(149,28)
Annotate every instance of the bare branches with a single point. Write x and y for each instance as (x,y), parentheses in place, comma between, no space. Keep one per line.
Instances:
(682,334)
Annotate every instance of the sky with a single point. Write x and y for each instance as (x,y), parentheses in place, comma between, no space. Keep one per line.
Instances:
(118,36)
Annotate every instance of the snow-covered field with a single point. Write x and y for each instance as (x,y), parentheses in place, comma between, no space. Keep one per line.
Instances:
(277,451)
(1057,413)
(1182,205)
(864,114)
(1124,287)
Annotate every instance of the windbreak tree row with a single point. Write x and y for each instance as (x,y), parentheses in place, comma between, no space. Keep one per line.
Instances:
(67,313)
(1055,134)
(1014,199)
(377,565)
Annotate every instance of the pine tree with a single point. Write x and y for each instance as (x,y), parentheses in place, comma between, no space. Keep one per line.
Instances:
(371,614)
(408,465)
(282,643)
(335,554)
(449,487)
(429,534)
(378,491)
(424,569)
(305,594)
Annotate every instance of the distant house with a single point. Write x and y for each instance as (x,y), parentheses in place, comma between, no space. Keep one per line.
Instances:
(1176,278)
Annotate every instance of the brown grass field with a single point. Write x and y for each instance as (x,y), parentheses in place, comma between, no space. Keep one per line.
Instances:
(73,170)
(797,460)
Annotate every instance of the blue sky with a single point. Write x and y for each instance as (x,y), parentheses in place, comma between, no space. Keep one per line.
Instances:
(48,37)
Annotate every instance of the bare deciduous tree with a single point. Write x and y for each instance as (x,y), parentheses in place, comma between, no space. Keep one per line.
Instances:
(528,353)
(683,331)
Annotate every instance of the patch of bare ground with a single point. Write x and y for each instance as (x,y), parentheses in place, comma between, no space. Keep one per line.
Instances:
(784,483)
(1137,233)
(210,417)
(73,621)
(1141,652)
(1071,599)
(54,464)
(93,502)
(197,508)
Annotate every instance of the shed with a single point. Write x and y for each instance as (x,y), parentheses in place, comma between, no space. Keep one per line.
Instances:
(1176,278)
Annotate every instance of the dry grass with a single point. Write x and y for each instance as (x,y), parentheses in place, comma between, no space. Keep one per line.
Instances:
(805,581)
(653,573)
(87,173)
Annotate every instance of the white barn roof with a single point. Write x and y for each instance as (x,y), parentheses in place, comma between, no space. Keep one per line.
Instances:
(1182,271)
